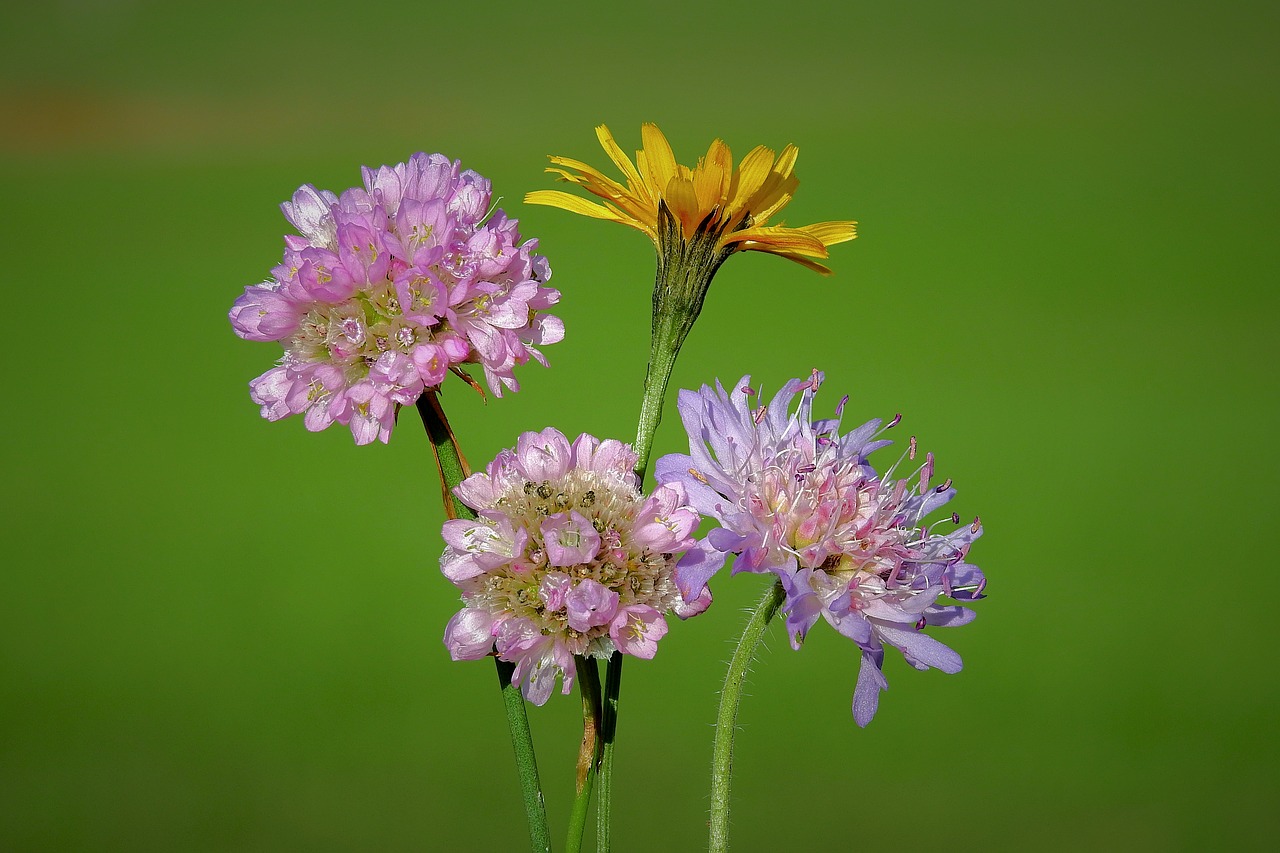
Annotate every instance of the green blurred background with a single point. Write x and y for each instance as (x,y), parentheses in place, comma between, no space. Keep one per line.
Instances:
(224,634)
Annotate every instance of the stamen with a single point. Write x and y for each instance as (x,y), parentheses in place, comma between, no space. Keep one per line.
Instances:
(977,523)
(926,472)
(911,448)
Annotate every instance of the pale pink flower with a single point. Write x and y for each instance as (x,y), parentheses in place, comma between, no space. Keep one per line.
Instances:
(566,557)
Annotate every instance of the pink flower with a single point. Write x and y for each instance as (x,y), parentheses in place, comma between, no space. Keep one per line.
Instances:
(566,558)
(389,287)
(636,630)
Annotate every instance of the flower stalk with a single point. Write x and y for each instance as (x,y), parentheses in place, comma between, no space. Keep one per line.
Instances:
(727,716)
(608,727)
(589,752)
(453,470)
(685,270)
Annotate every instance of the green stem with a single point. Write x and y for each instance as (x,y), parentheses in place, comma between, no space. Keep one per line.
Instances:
(526,763)
(588,753)
(727,717)
(453,470)
(663,350)
(608,726)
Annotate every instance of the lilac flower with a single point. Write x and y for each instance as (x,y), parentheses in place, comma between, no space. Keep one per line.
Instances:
(795,498)
(390,286)
(566,558)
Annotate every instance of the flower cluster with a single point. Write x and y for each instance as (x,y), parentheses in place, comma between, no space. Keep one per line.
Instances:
(795,498)
(389,287)
(565,558)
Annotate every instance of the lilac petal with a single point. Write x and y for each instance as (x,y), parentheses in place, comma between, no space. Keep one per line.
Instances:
(949,616)
(696,568)
(921,650)
(866,696)
(851,624)
(727,540)
(689,609)
(801,606)
(679,468)
(855,441)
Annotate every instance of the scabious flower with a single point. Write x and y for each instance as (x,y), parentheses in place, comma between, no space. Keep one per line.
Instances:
(565,558)
(796,499)
(390,287)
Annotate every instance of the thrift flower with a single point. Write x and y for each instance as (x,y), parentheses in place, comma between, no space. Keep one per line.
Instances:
(566,558)
(388,288)
(796,499)
(696,219)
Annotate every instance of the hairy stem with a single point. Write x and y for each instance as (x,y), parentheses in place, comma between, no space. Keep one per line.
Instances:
(727,717)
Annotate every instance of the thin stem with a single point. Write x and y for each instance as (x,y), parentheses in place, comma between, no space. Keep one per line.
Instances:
(588,753)
(608,727)
(727,718)
(453,470)
(526,763)
(662,360)
(450,462)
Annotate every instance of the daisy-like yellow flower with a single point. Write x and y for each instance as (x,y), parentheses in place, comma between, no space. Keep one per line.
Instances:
(696,218)
(712,203)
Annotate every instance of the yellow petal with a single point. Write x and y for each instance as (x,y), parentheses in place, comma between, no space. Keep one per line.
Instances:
(778,192)
(805,262)
(589,175)
(831,233)
(776,238)
(611,147)
(658,157)
(711,178)
(750,176)
(683,201)
(573,204)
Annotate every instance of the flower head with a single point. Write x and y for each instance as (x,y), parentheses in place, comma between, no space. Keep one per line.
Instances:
(796,499)
(390,287)
(713,201)
(565,558)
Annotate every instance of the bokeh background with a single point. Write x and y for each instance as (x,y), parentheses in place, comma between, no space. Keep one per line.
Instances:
(223,634)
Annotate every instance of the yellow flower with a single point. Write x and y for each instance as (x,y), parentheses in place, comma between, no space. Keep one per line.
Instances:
(712,201)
